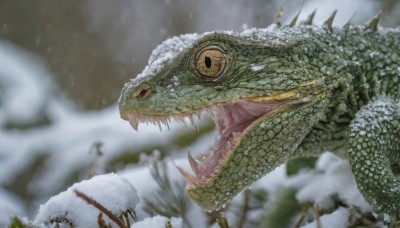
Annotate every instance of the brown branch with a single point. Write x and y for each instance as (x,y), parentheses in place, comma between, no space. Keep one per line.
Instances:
(301,219)
(222,221)
(100,208)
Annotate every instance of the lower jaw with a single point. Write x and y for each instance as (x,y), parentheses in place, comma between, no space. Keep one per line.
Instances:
(222,151)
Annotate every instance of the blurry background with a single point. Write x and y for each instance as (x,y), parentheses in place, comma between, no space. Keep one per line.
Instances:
(92,47)
(63,64)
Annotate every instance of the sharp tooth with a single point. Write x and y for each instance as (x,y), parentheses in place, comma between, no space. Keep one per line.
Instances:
(198,115)
(210,112)
(192,121)
(181,119)
(134,123)
(194,164)
(159,125)
(188,177)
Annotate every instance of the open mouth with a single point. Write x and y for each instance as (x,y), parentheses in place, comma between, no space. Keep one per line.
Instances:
(232,119)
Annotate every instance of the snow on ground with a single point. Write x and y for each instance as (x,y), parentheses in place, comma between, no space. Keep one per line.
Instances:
(110,190)
(333,176)
(337,219)
(24,85)
(157,221)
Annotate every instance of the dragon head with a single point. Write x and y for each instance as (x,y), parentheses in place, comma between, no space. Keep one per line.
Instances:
(257,86)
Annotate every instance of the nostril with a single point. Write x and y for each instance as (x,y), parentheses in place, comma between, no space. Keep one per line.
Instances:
(142,92)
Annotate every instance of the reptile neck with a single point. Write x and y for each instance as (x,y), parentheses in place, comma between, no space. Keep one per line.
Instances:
(357,66)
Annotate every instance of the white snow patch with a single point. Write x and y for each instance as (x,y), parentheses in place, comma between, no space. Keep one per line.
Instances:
(23,94)
(337,219)
(158,222)
(110,190)
(335,177)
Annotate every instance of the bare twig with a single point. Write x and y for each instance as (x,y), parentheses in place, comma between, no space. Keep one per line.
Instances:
(301,219)
(100,208)
(222,221)
(101,222)
(246,208)
(318,216)
(96,148)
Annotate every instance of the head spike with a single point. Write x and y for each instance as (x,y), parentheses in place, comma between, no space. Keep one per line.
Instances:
(348,23)
(310,18)
(373,23)
(294,20)
(328,23)
(278,16)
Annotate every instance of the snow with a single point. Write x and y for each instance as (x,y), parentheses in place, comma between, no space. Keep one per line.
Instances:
(337,219)
(33,97)
(110,190)
(333,176)
(158,222)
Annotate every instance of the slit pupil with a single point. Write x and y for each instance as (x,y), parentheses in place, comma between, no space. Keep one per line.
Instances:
(207,61)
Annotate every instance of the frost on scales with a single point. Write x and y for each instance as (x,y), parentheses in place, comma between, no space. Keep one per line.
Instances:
(165,52)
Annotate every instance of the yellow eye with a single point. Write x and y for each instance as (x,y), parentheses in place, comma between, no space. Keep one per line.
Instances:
(211,61)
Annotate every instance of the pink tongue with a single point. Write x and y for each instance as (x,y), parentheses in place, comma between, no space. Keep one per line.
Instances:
(236,117)
(231,120)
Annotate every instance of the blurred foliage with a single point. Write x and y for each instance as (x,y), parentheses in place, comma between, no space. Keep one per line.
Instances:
(39,122)
(295,165)
(16,223)
(21,181)
(282,210)
(170,199)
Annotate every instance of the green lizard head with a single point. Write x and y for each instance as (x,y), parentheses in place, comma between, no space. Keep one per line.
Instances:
(257,87)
